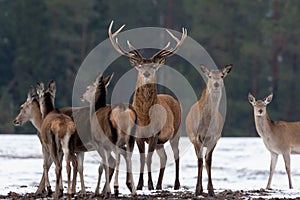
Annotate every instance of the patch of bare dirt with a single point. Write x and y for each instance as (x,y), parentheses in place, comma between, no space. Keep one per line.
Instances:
(164,194)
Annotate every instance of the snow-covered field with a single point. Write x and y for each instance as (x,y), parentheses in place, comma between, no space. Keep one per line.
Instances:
(238,164)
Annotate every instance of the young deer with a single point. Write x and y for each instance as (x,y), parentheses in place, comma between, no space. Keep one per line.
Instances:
(279,137)
(113,129)
(30,111)
(57,131)
(159,116)
(204,122)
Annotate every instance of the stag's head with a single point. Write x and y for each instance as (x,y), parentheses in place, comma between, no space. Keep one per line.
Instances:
(27,108)
(215,78)
(260,106)
(97,90)
(146,67)
(46,96)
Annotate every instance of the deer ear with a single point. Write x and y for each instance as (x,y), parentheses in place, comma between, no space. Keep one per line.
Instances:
(107,79)
(226,70)
(39,88)
(98,79)
(52,87)
(268,99)
(251,98)
(31,94)
(204,70)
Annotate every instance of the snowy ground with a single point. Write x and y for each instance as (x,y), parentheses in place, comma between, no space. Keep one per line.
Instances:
(238,164)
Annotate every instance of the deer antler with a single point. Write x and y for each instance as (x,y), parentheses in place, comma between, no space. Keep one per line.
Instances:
(165,52)
(134,54)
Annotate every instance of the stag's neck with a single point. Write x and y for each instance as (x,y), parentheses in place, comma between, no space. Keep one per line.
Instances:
(145,97)
(263,125)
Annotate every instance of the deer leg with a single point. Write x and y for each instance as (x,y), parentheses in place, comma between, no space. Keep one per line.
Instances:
(129,179)
(44,183)
(174,145)
(100,170)
(80,159)
(112,165)
(274,158)
(286,157)
(106,190)
(116,184)
(208,160)
(75,170)
(163,160)
(141,146)
(152,145)
(198,150)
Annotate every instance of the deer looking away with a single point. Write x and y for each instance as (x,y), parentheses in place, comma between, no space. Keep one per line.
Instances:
(30,111)
(204,122)
(158,115)
(279,137)
(113,130)
(56,133)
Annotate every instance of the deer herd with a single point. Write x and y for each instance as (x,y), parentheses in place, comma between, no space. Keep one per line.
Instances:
(152,118)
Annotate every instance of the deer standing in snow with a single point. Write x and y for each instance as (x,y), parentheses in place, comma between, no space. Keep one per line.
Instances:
(113,130)
(159,115)
(204,122)
(57,132)
(30,111)
(279,137)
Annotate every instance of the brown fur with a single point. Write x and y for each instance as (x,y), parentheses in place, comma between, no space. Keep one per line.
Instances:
(204,123)
(279,137)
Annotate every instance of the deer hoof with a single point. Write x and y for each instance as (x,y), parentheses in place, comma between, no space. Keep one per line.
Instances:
(116,190)
(211,193)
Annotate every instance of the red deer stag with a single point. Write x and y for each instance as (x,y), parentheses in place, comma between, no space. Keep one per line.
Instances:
(57,131)
(113,130)
(159,115)
(279,137)
(204,122)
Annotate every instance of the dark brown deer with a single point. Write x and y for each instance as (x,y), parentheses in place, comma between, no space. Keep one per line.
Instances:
(159,115)
(56,133)
(204,122)
(113,130)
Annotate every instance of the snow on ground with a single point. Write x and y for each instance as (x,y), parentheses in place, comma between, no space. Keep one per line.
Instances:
(238,164)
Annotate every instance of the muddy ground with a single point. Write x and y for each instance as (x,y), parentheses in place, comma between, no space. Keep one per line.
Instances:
(164,194)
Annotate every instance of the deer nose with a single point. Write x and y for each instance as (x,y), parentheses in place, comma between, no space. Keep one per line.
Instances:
(260,111)
(216,84)
(146,74)
(16,122)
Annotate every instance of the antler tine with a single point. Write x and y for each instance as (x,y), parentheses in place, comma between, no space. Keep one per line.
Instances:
(117,46)
(164,52)
(132,48)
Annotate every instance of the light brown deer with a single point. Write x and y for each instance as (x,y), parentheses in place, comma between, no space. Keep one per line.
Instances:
(204,123)
(279,137)
(30,111)
(56,134)
(159,115)
(113,130)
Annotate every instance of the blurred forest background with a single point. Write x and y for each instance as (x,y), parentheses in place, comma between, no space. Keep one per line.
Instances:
(42,40)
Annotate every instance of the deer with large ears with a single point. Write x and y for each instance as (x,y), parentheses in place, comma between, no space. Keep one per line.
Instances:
(30,111)
(56,133)
(279,137)
(159,115)
(204,122)
(113,130)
